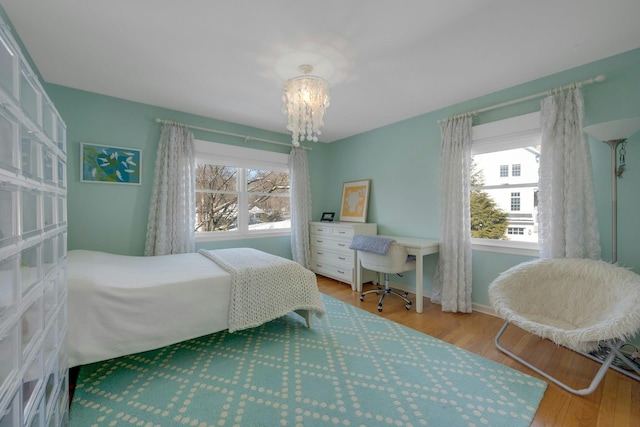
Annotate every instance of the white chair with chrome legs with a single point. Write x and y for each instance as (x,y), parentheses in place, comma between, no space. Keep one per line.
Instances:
(395,261)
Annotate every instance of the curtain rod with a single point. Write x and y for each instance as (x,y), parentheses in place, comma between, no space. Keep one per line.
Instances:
(597,79)
(246,138)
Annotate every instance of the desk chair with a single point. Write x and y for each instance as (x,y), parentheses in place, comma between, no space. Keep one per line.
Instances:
(394,262)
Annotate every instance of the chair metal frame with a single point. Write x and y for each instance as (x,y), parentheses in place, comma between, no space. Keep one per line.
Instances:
(614,351)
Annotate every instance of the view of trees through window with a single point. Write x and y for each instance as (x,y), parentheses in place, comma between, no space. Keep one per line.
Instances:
(488,221)
(230,198)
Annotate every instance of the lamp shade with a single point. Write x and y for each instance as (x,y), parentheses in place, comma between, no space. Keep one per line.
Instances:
(614,130)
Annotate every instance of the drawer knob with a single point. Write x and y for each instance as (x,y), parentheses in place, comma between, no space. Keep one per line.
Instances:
(341,258)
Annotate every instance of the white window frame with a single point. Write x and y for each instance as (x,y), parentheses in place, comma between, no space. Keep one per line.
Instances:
(246,158)
(515,201)
(505,134)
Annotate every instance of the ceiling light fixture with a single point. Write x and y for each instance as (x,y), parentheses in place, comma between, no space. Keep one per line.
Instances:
(305,99)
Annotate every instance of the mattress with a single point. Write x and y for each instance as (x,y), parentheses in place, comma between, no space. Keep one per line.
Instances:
(119,305)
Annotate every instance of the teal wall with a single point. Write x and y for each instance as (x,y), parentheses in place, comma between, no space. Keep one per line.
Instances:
(403,162)
(113,217)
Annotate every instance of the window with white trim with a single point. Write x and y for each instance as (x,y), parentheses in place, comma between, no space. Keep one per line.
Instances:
(504,205)
(240,192)
(515,231)
(515,201)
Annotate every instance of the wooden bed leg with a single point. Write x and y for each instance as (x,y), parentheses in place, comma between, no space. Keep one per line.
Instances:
(307,316)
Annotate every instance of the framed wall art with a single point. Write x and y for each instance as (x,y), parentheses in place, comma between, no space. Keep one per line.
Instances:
(110,164)
(355,201)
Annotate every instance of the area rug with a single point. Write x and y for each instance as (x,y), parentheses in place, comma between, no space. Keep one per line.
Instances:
(352,368)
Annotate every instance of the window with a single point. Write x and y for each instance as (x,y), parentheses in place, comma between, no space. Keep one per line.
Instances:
(240,192)
(515,201)
(504,205)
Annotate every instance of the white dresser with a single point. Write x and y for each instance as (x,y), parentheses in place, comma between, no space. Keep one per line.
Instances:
(330,253)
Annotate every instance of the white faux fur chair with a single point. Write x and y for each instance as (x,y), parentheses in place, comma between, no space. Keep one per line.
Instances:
(577,303)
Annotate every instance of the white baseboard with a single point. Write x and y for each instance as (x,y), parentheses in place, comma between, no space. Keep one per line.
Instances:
(476,307)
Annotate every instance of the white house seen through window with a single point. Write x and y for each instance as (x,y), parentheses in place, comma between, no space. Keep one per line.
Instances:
(504,180)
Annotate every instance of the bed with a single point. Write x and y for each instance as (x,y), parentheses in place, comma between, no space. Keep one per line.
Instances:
(119,305)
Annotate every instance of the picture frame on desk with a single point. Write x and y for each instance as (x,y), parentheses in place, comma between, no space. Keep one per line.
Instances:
(355,201)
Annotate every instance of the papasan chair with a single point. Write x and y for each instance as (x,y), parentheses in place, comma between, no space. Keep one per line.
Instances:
(581,304)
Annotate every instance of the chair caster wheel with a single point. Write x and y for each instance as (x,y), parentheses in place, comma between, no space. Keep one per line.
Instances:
(379,308)
(408,306)
(361,297)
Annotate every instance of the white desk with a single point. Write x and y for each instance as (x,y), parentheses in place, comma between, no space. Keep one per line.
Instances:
(415,246)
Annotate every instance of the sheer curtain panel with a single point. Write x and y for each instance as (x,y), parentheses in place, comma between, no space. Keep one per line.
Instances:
(170,229)
(300,206)
(452,285)
(568,224)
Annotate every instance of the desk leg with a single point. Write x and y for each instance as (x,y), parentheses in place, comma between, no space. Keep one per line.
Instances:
(358,286)
(419,274)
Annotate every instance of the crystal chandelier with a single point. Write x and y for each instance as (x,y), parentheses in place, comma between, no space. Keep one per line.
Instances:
(305,99)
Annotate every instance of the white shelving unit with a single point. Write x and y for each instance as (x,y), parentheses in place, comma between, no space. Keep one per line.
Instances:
(34,379)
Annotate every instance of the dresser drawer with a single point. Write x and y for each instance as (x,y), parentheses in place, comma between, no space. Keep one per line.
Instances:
(330,244)
(343,274)
(345,259)
(320,230)
(336,232)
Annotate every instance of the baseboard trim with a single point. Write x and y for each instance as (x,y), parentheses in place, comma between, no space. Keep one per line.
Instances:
(480,308)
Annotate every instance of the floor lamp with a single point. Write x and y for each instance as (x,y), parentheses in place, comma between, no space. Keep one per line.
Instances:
(614,133)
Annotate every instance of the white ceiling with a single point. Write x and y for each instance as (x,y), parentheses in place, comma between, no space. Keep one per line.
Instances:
(385,60)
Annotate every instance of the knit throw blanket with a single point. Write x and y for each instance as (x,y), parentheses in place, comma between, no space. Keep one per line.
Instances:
(265,287)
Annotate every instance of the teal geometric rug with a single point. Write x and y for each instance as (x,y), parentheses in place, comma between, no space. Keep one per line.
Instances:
(352,368)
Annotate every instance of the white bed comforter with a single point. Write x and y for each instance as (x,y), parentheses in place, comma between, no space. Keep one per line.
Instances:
(265,287)
(119,305)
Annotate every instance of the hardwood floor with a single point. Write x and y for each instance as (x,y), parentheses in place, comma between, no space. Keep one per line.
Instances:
(616,402)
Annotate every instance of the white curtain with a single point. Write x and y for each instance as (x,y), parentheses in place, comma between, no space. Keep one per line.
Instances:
(300,206)
(170,229)
(452,285)
(568,224)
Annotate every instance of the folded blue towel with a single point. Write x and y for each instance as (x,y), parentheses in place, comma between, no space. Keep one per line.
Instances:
(376,244)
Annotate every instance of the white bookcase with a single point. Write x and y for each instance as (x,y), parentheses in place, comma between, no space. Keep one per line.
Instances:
(330,253)
(34,378)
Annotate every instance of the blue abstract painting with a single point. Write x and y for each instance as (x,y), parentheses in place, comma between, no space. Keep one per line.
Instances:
(107,164)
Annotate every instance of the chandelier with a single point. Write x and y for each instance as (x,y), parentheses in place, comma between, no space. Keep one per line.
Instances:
(305,99)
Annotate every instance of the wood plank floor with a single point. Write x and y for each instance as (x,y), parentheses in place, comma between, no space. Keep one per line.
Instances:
(616,402)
